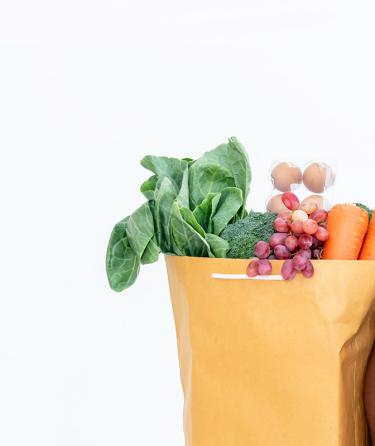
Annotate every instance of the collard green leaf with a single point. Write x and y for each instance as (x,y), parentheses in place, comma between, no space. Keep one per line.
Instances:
(174,169)
(122,264)
(236,157)
(151,253)
(185,239)
(165,196)
(118,232)
(219,247)
(225,166)
(207,178)
(148,187)
(183,193)
(206,210)
(140,229)
(189,217)
(162,166)
(229,204)
(217,210)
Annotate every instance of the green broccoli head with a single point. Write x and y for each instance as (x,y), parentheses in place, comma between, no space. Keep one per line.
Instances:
(244,234)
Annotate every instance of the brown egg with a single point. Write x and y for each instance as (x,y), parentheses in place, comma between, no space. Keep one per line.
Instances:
(319,200)
(318,176)
(276,205)
(284,175)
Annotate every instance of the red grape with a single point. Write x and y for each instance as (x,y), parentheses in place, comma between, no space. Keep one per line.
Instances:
(297,227)
(252,268)
(285,215)
(287,270)
(264,267)
(315,243)
(299,215)
(319,216)
(305,241)
(290,200)
(300,262)
(309,270)
(291,242)
(306,253)
(281,252)
(277,239)
(271,257)
(262,250)
(322,234)
(281,225)
(310,226)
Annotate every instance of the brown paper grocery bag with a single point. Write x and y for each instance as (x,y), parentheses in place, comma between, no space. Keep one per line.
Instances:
(270,362)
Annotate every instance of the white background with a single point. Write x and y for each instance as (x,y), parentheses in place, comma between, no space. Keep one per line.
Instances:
(86,89)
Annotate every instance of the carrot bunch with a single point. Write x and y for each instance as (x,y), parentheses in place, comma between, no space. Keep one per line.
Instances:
(352,237)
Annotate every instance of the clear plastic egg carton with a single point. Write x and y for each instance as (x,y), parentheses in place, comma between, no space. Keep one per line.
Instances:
(312,184)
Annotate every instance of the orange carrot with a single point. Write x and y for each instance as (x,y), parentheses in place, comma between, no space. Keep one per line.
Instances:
(347,225)
(368,247)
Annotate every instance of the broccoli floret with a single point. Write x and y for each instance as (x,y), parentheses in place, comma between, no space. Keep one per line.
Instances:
(244,234)
(366,208)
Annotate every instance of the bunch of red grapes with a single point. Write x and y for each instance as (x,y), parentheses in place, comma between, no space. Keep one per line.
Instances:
(300,235)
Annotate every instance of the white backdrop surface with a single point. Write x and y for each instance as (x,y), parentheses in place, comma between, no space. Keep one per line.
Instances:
(87,89)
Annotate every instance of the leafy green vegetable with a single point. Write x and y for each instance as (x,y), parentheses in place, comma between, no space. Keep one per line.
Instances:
(189,217)
(151,253)
(183,194)
(185,239)
(148,187)
(243,235)
(189,205)
(229,204)
(225,166)
(162,166)
(218,209)
(219,247)
(140,229)
(206,210)
(367,209)
(205,179)
(122,262)
(164,199)
(174,169)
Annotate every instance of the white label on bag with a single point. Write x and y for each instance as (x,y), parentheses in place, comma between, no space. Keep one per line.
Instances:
(244,277)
